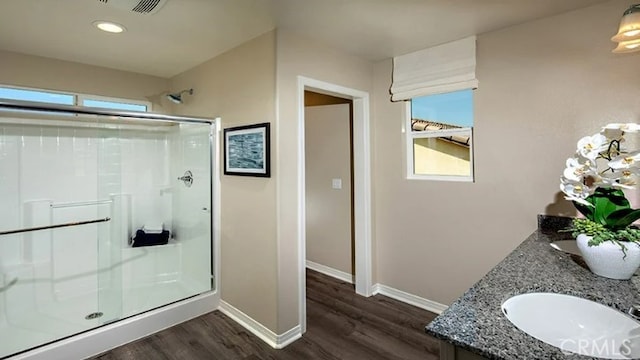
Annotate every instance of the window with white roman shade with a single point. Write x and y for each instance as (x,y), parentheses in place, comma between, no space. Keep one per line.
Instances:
(444,68)
(437,84)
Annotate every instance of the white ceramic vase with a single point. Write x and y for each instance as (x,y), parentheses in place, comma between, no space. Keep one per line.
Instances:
(608,260)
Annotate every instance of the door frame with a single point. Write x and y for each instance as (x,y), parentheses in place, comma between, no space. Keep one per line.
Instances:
(361,187)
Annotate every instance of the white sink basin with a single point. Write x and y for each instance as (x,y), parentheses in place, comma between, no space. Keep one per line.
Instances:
(575,325)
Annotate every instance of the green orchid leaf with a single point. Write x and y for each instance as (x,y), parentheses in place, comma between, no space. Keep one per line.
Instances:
(605,201)
(603,208)
(600,212)
(585,210)
(622,218)
(616,196)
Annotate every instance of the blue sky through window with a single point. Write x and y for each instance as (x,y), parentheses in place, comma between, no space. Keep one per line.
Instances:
(36,95)
(454,108)
(114,105)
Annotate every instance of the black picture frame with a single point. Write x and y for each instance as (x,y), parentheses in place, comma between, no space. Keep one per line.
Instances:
(247,150)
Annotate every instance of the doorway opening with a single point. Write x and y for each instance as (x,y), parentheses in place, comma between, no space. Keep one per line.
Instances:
(359,212)
(328,185)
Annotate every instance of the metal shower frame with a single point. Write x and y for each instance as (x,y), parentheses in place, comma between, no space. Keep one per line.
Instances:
(72,109)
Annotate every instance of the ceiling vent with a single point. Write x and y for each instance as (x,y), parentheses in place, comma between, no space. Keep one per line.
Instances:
(145,7)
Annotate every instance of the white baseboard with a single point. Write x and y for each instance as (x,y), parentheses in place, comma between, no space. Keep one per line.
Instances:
(265,334)
(288,337)
(396,294)
(410,299)
(340,275)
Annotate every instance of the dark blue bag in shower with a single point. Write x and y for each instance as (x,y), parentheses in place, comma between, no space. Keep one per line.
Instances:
(148,239)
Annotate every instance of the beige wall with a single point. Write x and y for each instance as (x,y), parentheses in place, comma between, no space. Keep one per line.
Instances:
(239,86)
(300,56)
(328,210)
(543,85)
(51,74)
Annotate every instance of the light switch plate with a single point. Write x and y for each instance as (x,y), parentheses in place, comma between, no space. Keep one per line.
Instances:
(336,183)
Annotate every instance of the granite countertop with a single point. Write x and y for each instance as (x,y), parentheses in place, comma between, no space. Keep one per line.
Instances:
(475,321)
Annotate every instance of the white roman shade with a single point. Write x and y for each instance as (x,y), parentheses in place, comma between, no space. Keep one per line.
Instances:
(440,69)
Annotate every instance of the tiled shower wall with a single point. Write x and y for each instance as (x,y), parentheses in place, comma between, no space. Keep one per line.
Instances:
(44,165)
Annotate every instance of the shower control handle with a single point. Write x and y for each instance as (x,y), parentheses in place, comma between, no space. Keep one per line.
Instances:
(187,178)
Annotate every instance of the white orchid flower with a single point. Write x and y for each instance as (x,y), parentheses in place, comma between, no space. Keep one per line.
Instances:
(573,174)
(578,161)
(626,161)
(627,179)
(628,127)
(610,178)
(576,191)
(601,161)
(591,146)
(577,168)
(612,134)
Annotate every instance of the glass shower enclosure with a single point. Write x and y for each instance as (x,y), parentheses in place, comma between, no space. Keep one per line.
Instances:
(103,216)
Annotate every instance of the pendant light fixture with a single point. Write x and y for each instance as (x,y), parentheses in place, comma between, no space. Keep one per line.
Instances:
(628,36)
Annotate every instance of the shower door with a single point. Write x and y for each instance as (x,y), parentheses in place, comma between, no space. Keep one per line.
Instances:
(95,224)
(54,217)
(192,157)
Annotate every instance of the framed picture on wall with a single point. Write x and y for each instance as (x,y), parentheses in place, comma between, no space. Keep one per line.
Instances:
(247,150)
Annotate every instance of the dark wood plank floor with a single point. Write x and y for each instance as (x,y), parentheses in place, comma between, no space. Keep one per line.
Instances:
(340,325)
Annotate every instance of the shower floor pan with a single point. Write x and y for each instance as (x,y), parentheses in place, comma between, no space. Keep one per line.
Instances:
(30,327)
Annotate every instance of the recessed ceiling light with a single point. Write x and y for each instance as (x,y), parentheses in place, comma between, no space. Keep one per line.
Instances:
(109,26)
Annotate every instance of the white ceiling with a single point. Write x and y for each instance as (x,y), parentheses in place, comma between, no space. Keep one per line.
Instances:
(185,33)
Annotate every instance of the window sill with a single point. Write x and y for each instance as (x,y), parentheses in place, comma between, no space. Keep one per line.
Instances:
(441,178)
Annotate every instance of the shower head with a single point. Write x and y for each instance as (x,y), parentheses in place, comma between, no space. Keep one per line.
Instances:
(177,97)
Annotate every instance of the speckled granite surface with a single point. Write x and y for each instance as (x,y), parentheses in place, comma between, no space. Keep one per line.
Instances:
(475,321)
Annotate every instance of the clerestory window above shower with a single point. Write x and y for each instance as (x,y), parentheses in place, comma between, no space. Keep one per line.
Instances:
(67,98)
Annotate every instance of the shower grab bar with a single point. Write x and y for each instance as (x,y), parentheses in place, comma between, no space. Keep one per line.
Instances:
(80,203)
(36,228)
